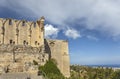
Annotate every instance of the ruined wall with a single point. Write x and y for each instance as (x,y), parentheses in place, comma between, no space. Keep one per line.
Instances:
(41,30)
(31,36)
(22,32)
(37,37)
(23,37)
(19,58)
(10,31)
(58,50)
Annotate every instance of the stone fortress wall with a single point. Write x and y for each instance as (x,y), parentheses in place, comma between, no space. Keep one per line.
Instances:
(59,51)
(20,58)
(23,41)
(21,32)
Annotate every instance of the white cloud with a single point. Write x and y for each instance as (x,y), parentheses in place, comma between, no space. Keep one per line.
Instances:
(51,31)
(72,33)
(100,15)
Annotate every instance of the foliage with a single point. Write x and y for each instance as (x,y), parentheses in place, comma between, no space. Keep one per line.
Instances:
(51,70)
(84,72)
(116,75)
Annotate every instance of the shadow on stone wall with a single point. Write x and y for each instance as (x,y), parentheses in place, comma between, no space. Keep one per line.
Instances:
(47,48)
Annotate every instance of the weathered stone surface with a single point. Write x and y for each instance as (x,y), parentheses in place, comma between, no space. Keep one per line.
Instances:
(19,58)
(20,76)
(23,41)
(58,50)
(22,32)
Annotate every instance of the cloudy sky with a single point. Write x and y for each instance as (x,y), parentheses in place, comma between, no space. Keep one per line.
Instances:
(91,26)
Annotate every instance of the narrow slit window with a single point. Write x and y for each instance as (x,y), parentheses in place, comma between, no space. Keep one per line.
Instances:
(35,42)
(10,22)
(23,23)
(11,41)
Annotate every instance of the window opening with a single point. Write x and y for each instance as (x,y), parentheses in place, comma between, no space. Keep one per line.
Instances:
(10,22)
(23,23)
(14,42)
(11,41)
(35,42)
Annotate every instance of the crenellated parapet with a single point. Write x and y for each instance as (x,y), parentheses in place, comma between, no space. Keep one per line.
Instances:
(22,32)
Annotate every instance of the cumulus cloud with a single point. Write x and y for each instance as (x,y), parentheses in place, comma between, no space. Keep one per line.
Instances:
(100,15)
(51,31)
(72,33)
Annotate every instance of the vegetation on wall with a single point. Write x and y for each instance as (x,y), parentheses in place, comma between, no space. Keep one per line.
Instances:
(51,70)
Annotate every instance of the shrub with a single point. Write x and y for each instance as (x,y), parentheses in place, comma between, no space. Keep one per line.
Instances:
(51,70)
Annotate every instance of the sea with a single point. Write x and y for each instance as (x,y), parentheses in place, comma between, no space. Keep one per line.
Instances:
(109,66)
(114,67)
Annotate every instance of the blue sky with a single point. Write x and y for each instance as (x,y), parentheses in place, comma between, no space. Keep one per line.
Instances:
(92,27)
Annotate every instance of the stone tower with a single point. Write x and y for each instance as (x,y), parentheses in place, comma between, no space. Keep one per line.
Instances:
(59,51)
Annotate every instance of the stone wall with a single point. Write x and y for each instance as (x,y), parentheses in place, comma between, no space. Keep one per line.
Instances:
(20,58)
(22,41)
(20,76)
(20,32)
(58,50)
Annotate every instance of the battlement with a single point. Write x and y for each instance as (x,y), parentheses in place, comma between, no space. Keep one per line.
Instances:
(11,21)
(21,32)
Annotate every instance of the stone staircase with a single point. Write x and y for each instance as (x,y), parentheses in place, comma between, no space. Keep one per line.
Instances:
(20,76)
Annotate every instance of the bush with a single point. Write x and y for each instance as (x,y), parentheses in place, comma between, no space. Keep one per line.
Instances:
(51,70)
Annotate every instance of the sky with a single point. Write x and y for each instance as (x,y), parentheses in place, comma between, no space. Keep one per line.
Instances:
(92,27)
